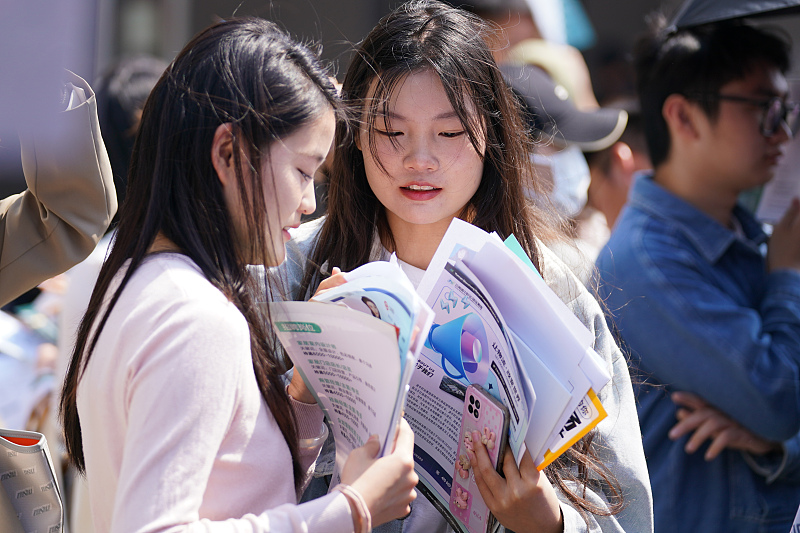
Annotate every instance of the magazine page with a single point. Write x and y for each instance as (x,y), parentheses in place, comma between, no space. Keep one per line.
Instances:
(467,344)
(350,362)
(382,289)
(547,330)
(796,523)
(355,347)
(550,348)
(778,193)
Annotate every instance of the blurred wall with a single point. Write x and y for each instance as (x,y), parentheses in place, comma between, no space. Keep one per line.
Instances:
(162,27)
(618,23)
(337,24)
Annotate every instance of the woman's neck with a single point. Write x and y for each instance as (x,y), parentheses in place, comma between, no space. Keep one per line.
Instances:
(416,243)
(162,244)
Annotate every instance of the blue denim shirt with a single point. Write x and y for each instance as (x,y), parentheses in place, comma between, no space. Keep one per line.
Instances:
(698,312)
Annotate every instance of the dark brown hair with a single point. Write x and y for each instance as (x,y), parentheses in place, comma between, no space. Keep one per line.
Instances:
(430,35)
(247,73)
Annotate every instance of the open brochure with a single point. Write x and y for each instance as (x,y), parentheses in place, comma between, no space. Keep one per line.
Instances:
(356,346)
(484,316)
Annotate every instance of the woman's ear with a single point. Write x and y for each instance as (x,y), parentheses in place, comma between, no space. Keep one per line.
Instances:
(222,154)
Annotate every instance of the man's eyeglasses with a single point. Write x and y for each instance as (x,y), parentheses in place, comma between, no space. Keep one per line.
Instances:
(775,110)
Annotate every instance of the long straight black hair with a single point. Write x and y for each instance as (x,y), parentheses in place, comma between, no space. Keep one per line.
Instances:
(452,43)
(244,72)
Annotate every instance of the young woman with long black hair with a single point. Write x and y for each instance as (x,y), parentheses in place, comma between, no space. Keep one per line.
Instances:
(174,404)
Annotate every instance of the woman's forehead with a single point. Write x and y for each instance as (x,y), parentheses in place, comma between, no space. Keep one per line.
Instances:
(422,86)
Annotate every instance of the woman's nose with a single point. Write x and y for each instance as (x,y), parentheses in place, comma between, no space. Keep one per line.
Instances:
(420,156)
(308,202)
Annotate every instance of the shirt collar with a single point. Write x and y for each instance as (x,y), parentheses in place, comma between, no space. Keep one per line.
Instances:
(711,238)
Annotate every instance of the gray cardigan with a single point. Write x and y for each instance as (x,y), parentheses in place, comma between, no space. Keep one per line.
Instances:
(618,440)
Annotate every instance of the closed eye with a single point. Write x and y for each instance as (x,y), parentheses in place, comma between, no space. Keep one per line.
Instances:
(388,133)
(305,176)
(452,134)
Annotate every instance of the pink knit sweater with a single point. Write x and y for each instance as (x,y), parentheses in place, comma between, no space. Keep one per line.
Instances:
(175,433)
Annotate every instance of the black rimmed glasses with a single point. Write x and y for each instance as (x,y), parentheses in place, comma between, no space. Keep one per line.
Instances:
(775,110)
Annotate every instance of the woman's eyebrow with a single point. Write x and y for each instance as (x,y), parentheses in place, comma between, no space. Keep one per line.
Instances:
(316,157)
(396,116)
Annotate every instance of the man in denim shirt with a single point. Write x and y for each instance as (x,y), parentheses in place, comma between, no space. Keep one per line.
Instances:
(707,307)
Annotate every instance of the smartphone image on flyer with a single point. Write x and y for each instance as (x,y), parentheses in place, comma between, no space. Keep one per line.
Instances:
(489,417)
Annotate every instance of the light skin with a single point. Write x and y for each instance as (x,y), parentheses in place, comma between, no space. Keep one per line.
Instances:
(289,193)
(386,483)
(432,169)
(524,501)
(706,423)
(608,190)
(742,157)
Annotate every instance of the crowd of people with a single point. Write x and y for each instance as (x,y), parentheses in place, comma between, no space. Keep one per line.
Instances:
(178,408)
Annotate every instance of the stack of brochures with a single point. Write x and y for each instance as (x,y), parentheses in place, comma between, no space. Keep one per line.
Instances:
(482,315)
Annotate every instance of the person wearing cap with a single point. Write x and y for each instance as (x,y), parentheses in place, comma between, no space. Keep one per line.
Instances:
(707,305)
(612,171)
(564,132)
(567,137)
(525,40)
(553,82)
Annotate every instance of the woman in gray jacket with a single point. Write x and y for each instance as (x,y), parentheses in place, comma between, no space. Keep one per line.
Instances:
(436,134)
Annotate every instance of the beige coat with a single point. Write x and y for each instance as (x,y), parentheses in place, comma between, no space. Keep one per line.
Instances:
(68,205)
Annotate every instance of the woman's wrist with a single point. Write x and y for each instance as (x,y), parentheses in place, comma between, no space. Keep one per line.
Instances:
(314,442)
(362,520)
(298,391)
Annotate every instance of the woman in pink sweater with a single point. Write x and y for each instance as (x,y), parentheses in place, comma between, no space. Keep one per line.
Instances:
(174,404)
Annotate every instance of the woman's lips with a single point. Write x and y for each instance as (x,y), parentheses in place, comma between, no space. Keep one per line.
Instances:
(420,192)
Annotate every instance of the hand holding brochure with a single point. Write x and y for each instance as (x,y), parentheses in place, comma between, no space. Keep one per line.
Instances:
(498,325)
(356,346)
(483,316)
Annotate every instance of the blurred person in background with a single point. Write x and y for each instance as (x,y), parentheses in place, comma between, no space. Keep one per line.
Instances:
(707,306)
(121,93)
(553,82)
(612,171)
(48,228)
